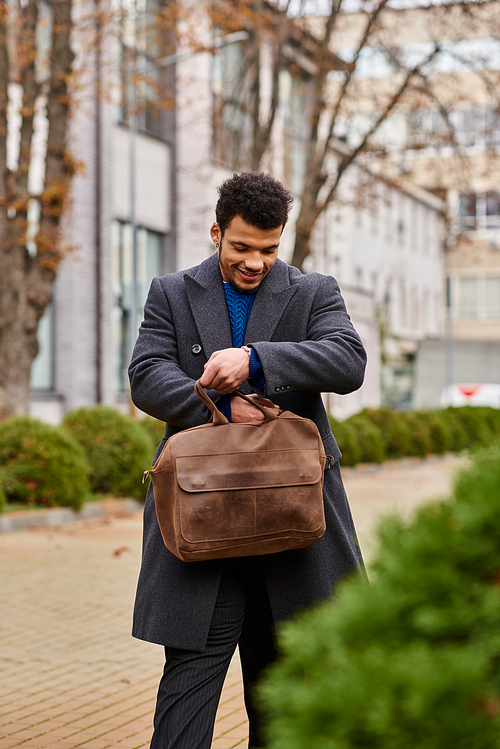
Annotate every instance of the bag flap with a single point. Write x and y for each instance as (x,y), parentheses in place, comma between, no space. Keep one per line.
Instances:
(256,470)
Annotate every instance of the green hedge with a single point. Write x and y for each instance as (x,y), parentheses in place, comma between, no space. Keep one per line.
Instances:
(371,443)
(347,436)
(155,428)
(373,435)
(412,660)
(3,496)
(41,464)
(118,449)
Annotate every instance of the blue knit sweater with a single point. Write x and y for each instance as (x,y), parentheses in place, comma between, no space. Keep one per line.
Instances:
(239,306)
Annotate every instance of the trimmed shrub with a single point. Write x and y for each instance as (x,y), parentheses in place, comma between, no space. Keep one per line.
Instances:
(369,439)
(490,418)
(420,443)
(346,438)
(394,429)
(459,438)
(475,425)
(410,661)
(154,427)
(42,464)
(3,498)
(439,431)
(118,449)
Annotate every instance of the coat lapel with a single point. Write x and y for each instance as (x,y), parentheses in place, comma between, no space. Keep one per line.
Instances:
(206,296)
(270,303)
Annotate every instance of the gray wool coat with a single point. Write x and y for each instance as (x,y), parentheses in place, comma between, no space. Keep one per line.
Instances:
(303,336)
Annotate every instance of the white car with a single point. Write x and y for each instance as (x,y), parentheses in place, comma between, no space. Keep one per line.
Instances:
(471,394)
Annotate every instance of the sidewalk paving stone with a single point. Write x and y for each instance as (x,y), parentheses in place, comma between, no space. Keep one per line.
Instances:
(71,675)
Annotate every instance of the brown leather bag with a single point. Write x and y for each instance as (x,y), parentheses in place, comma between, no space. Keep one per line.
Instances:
(233,490)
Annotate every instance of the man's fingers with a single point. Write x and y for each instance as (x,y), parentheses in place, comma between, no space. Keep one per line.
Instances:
(226,370)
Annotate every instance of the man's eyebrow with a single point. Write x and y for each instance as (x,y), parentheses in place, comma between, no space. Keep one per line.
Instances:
(244,244)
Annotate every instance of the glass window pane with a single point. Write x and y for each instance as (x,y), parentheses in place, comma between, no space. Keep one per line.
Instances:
(467,210)
(149,265)
(42,371)
(467,297)
(492,210)
(492,128)
(492,296)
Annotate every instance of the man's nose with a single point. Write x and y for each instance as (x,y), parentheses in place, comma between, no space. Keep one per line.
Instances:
(253,261)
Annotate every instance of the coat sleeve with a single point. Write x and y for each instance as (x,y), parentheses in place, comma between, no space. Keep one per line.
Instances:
(331,358)
(158,385)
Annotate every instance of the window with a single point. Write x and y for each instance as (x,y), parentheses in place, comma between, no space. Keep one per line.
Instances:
(42,371)
(426,127)
(402,304)
(492,128)
(479,210)
(476,297)
(140,46)
(415,309)
(295,96)
(149,265)
(471,126)
(232,77)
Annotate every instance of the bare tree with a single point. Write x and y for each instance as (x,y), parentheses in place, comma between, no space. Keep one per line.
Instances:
(337,88)
(30,248)
(41,85)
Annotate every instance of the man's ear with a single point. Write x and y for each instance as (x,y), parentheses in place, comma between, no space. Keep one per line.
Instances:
(215,234)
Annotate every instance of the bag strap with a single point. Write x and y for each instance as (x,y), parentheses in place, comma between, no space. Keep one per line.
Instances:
(268,414)
(218,417)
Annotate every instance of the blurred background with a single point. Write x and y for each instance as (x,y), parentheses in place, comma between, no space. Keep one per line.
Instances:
(120,117)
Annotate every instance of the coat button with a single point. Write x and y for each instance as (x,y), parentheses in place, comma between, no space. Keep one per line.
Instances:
(277,388)
(196,348)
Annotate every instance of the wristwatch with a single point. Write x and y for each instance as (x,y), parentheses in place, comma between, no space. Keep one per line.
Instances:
(247,349)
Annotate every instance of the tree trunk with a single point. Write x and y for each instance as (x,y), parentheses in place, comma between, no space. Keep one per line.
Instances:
(21,307)
(26,280)
(309,212)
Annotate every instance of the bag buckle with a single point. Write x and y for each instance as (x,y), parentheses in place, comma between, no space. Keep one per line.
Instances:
(330,460)
(145,476)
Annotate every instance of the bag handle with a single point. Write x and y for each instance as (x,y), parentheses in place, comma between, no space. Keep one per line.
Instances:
(218,417)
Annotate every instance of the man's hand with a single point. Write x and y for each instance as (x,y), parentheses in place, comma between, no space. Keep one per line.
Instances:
(226,370)
(243,412)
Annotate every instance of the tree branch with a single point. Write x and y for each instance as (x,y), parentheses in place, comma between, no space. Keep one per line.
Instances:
(372,19)
(4,100)
(58,163)
(347,160)
(31,89)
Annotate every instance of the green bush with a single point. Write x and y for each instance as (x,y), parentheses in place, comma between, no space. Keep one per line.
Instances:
(3,497)
(459,438)
(475,425)
(42,464)
(369,439)
(347,440)
(155,428)
(440,432)
(412,660)
(394,429)
(421,442)
(118,449)
(492,418)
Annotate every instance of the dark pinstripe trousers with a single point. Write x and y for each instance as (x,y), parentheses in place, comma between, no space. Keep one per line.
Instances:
(190,688)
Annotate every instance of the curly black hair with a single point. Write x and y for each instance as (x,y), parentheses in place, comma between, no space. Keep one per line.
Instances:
(258,198)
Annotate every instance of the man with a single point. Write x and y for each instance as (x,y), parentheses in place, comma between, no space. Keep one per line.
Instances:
(242,318)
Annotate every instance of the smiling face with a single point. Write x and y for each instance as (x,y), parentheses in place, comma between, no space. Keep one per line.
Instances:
(246,253)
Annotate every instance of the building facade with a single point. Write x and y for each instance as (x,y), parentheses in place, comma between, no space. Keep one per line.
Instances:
(448,144)
(155,177)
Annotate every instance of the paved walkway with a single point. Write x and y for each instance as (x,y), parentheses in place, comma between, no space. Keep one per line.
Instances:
(70,674)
